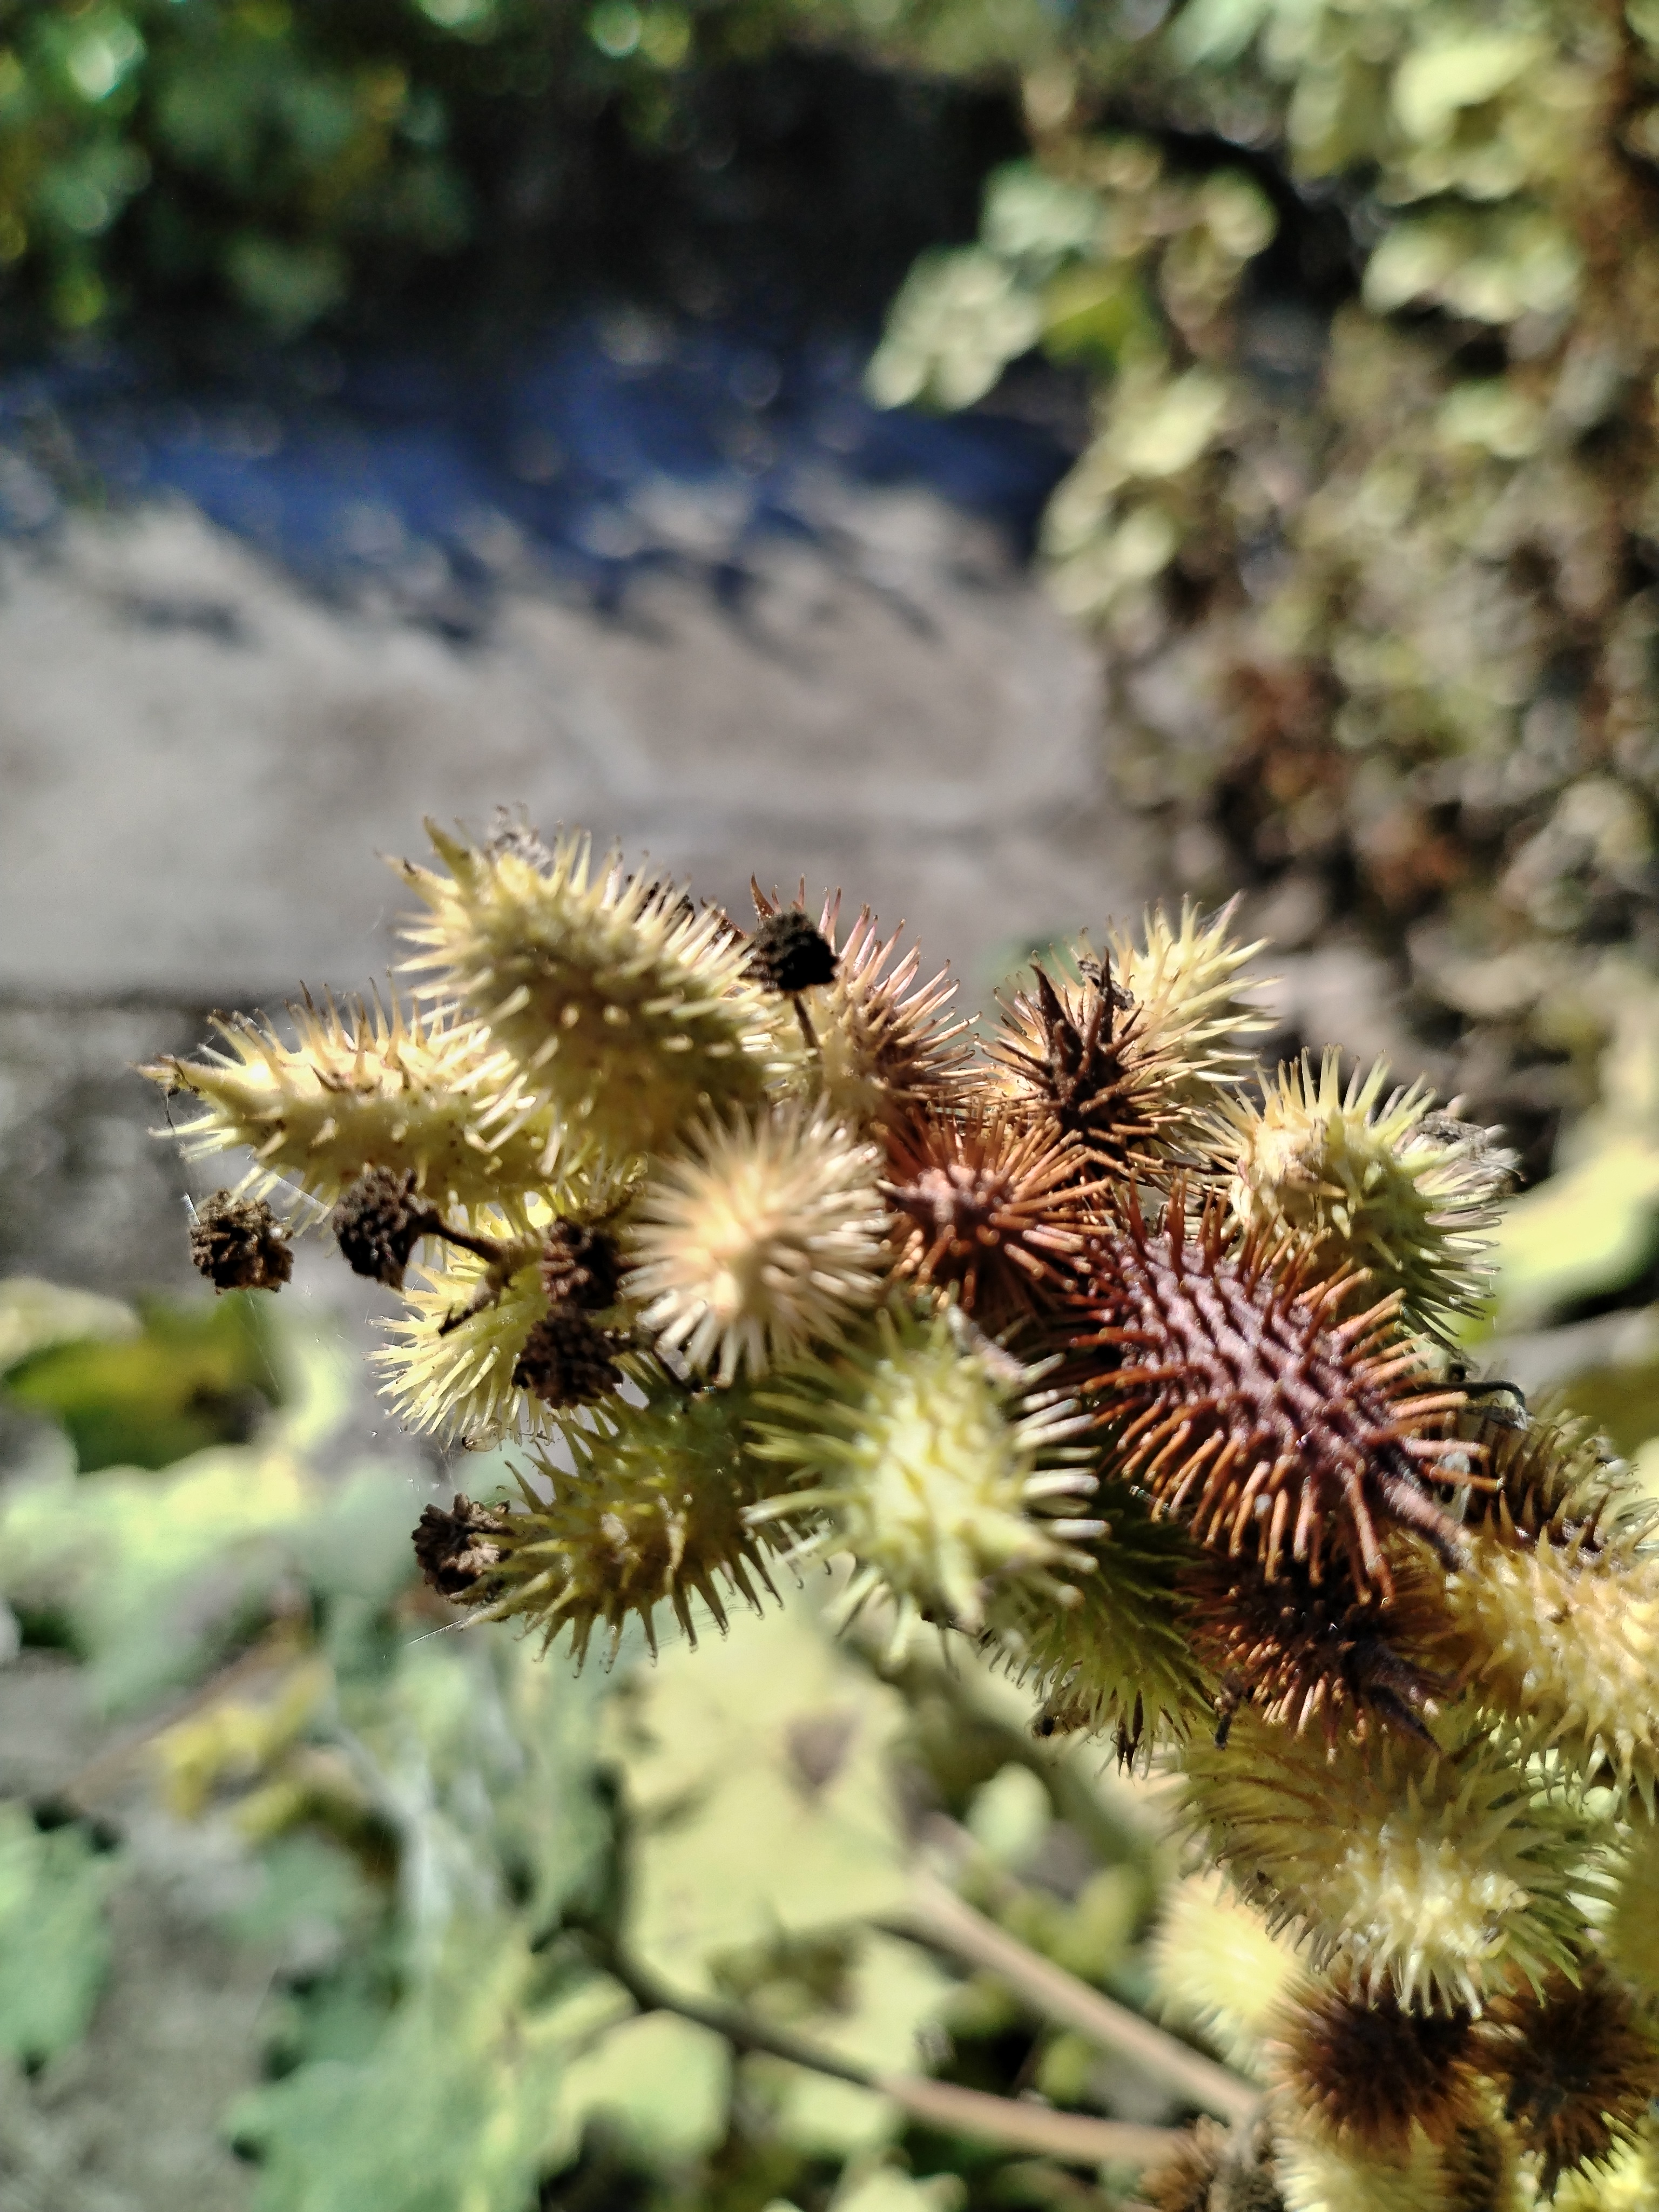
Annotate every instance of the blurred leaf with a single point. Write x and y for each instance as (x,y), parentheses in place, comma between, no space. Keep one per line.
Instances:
(54,1945)
(35,1316)
(304,1885)
(885,2189)
(194,1375)
(1440,78)
(1592,1228)
(659,2083)
(156,1576)
(453,2111)
(756,1774)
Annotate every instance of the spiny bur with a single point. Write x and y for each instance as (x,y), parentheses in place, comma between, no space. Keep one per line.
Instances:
(942,1472)
(1367,1177)
(1079,1346)
(761,1237)
(1246,1402)
(629,1013)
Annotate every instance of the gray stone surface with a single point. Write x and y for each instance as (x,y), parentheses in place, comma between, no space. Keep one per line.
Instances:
(198,761)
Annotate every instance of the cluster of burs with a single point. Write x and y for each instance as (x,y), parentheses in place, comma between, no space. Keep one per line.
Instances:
(1075,1340)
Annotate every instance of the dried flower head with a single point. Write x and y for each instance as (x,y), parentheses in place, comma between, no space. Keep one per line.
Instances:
(1579,2065)
(239,1245)
(378,1223)
(581,1265)
(762,1236)
(1244,1405)
(882,1048)
(996,1209)
(567,1359)
(361,1087)
(455,1550)
(651,1513)
(1443,1873)
(937,1467)
(1382,1182)
(1365,2072)
(1124,1059)
(789,954)
(1305,1654)
(629,1012)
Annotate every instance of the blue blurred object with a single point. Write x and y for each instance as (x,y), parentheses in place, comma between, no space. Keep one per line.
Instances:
(619,440)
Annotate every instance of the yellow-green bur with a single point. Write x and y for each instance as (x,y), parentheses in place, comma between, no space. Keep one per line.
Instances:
(1115,1658)
(415,1094)
(653,1513)
(455,1375)
(627,1010)
(1566,1640)
(926,1467)
(1445,1872)
(1372,1179)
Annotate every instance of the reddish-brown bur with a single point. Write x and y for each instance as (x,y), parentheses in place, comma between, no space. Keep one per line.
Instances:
(1243,1404)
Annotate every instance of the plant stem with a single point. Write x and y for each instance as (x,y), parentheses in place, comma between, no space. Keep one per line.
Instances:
(1075,2137)
(944,1921)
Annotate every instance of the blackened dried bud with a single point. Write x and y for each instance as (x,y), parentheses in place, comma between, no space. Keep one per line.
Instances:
(567,1361)
(239,1245)
(789,954)
(455,1550)
(379,1222)
(582,1267)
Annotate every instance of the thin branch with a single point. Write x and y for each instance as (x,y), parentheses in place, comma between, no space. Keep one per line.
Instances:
(941,1919)
(1075,2137)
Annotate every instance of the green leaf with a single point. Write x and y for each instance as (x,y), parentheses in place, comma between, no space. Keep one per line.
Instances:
(156,1575)
(35,1316)
(194,1375)
(658,2083)
(757,1779)
(454,2111)
(54,1945)
(1590,1228)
